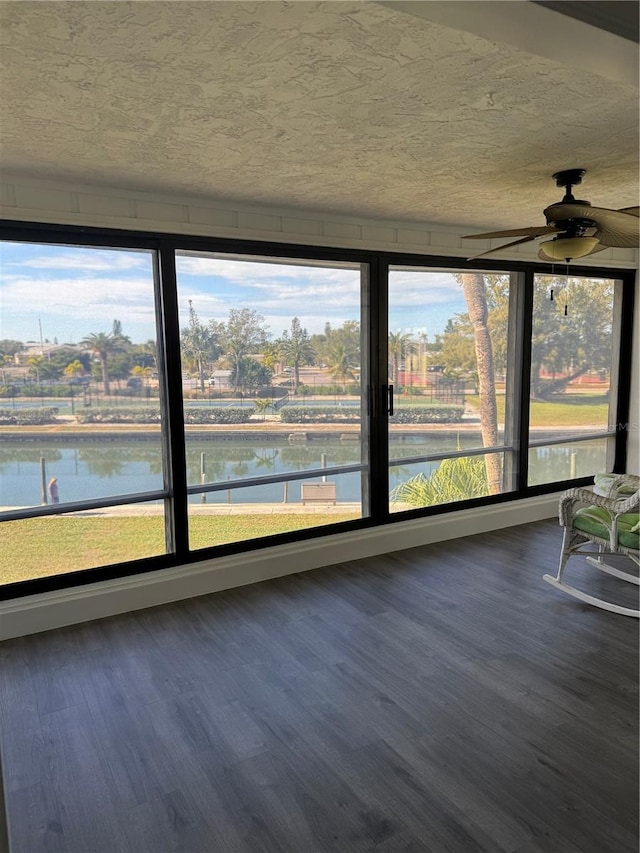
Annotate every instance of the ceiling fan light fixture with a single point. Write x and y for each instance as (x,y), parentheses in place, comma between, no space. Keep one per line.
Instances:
(568,248)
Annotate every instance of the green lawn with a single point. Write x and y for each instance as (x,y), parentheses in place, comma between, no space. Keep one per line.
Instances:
(39,547)
(569,410)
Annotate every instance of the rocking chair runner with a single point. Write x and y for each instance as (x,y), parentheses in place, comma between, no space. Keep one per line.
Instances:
(609,517)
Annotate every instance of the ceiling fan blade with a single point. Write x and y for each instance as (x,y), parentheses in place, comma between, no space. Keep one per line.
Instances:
(531,233)
(632,211)
(599,247)
(618,239)
(618,230)
(615,228)
(499,248)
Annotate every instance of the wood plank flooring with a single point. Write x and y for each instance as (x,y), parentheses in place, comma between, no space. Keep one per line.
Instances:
(441,699)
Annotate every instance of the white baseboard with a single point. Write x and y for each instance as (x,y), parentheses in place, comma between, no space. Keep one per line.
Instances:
(35,613)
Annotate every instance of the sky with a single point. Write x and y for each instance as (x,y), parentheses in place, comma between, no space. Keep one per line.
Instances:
(75,291)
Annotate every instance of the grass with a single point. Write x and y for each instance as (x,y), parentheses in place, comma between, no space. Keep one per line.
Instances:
(40,547)
(569,410)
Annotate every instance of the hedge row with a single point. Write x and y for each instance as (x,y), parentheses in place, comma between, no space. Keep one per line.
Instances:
(320,414)
(328,390)
(140,415)
(428,415)
(38,391)
(151,415)
(28,417)
(228,415)
(436,414)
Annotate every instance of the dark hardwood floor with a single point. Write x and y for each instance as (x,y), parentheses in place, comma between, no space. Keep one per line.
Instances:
(440,699)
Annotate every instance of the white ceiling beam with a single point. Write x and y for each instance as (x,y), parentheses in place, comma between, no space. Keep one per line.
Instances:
(534,29)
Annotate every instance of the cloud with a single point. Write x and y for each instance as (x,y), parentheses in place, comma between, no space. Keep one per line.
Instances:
(84,298)
(94,260)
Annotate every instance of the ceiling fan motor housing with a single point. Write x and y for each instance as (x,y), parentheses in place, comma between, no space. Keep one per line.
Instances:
(567,179)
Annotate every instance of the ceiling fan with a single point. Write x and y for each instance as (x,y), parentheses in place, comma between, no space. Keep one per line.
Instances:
(579,228)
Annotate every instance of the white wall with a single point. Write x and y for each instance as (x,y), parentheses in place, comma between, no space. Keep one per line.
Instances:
(28,201)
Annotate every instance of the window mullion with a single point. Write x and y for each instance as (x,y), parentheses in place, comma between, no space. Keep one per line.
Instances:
(170,368)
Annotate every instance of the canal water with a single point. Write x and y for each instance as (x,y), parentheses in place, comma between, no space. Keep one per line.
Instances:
(98,469)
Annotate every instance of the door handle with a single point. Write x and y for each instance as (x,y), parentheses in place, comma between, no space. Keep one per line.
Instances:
(390,409)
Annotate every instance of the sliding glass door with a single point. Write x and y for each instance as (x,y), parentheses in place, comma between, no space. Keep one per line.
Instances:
(273,372)
(452,386)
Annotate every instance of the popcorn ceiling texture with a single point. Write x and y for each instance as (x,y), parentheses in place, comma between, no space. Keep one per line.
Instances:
(343,109)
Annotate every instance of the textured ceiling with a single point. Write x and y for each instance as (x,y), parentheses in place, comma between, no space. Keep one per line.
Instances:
(352,108)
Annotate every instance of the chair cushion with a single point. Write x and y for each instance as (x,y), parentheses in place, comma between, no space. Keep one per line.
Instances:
(596,521)
(624,489)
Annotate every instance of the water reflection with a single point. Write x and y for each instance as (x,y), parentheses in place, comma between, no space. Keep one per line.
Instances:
(100,469)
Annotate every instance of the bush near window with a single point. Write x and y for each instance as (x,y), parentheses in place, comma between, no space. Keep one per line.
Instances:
(453,480)
(28,417)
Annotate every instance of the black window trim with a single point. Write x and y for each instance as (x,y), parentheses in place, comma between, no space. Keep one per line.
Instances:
(176,489)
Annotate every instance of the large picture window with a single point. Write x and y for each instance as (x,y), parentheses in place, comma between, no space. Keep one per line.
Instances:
(275,421)
(80,413)
(573,359)
(164,399)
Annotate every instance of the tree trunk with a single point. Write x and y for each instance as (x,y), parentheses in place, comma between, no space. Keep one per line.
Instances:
(201,374)
(105,374)
(475,296)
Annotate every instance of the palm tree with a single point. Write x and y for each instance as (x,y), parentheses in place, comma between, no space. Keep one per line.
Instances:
(473,286)
(399,347)
(296,349)
(35,363)
(199,343)
(74,368)
(341,362)
(103,345)
(262,404)
(4,360)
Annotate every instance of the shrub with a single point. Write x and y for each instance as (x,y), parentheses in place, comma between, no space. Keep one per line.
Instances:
(453,480)
(432,414)
(228,415)
(325,390)
(59,390)
(28,417)
(139,393)
(320,414)
(151,415)
(140,415)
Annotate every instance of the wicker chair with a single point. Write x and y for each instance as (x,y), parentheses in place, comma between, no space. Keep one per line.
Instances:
(607,516)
